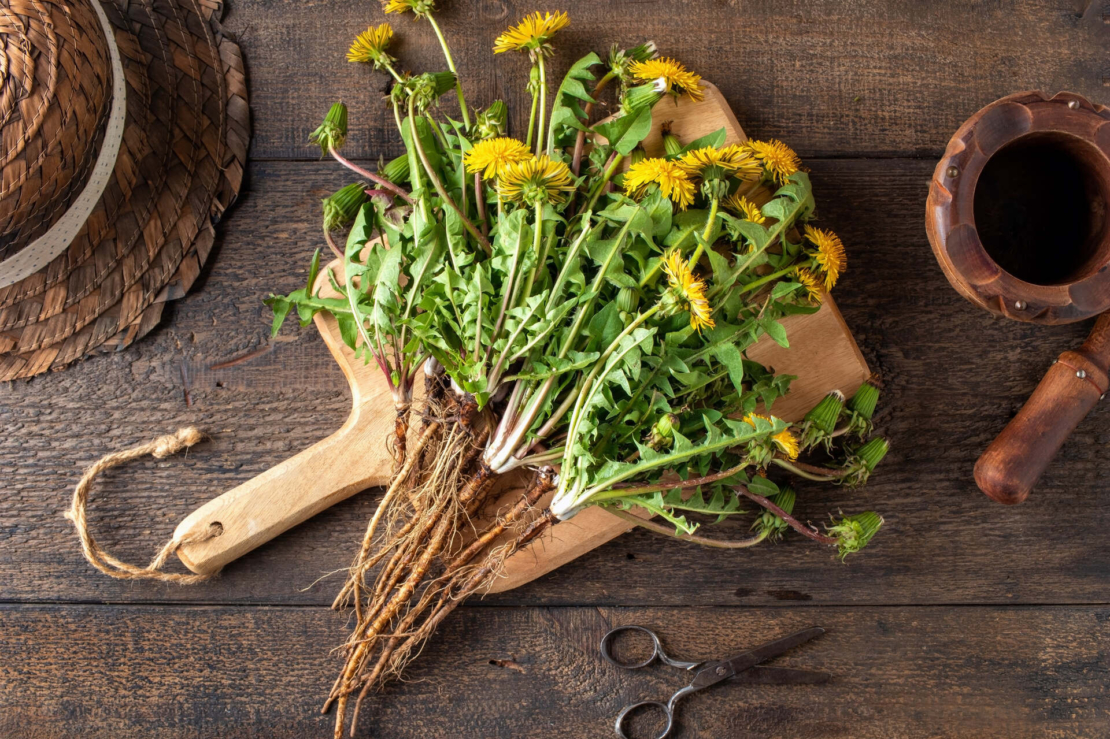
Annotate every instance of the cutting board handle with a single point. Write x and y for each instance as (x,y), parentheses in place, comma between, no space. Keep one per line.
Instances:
(285,495)
(1071,388)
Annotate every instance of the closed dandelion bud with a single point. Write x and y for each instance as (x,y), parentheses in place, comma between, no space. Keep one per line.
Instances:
(643,52)
(444,82)
(637,98)
(771,524)
(491,122)
(662,432)
(628,299)
(865,400)
(397,170)
(342,206)
(853,533)
(638,155)
(671,144)
(333,131)
(825,414)
(872,453)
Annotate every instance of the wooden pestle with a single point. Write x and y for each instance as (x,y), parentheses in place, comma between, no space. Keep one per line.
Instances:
(1073,385)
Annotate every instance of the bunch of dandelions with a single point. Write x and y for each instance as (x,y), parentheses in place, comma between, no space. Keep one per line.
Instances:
(576,307)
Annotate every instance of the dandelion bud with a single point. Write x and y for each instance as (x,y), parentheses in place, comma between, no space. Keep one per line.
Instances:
(865,400)
(872,452)
(396,171)
(772,523)
(853,533)
(491,122)
(342,206)
(825,414)
(638,155)
(643,52)
(628,299)
(333,131)
(638,98)
(671,144)
(662,432)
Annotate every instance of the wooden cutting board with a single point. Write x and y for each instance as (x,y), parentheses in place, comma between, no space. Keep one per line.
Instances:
(823,355)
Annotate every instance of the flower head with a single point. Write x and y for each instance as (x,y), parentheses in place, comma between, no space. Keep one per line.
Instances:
(697,161)
(492,156)
(532,33)
(419,7)
(689,290)
(669,75)
(830,254)
(778,159)
(787,443)
(536,180)
(370,45)
(673,181)
(811,284)
(747,209)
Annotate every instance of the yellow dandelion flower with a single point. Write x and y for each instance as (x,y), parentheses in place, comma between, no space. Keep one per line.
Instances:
(670,75)
(370,45)
(778,159)
(536,180)
(739,204)
(533,32)
(673,181)
(690,288)
(787,443)
(750,418)
(419,7)
(694,163)
(811,283)
(490,157)
(745,165)
(830,254)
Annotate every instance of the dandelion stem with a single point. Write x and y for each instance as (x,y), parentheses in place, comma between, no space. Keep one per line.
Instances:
(794,523)
(600,186)
(532,117)
(709,223)
(543,105)
(376,178)
(454,71)
(692,538)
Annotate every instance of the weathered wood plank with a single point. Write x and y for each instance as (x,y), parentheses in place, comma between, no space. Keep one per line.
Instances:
(237,672)
(866,77)
(954,377)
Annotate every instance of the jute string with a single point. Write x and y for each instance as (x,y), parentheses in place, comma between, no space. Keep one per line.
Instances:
(159,448)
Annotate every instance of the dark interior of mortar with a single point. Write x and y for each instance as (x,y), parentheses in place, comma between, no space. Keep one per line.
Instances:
(1040,208)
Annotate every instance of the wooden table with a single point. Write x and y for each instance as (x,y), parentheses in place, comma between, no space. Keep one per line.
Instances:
(964,619)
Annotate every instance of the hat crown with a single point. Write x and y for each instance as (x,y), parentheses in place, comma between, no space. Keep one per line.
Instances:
(54,100)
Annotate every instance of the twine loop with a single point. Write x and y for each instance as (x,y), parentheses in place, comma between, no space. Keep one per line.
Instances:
(159,448)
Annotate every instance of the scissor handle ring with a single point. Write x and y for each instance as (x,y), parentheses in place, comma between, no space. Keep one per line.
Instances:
(607,647)
(667,710)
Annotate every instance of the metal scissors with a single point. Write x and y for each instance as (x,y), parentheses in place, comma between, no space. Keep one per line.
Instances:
(741,668)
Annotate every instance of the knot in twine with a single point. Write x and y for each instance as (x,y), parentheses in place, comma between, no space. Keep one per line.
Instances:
(159,448)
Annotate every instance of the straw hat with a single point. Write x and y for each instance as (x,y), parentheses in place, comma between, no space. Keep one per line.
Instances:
(123,136)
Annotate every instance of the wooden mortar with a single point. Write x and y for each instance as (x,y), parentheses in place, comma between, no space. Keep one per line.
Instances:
(1017,218)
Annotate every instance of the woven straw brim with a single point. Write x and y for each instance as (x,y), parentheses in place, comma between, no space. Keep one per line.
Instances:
(180,166)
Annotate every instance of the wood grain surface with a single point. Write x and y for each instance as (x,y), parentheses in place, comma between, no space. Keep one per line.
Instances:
(964,618)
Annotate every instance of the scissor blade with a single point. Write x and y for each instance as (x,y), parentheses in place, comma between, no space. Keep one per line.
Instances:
(781,676)
(756,656)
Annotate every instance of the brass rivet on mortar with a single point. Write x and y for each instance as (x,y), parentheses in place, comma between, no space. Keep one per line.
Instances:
(1080,374)
(952,171)
(1073,104)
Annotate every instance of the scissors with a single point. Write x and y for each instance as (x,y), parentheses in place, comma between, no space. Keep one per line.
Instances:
(741,668)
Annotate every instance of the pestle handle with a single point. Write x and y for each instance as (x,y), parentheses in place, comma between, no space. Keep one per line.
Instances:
(1016,459)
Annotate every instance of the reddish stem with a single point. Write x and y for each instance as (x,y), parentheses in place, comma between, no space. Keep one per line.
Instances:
(795,524)
(399,192)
